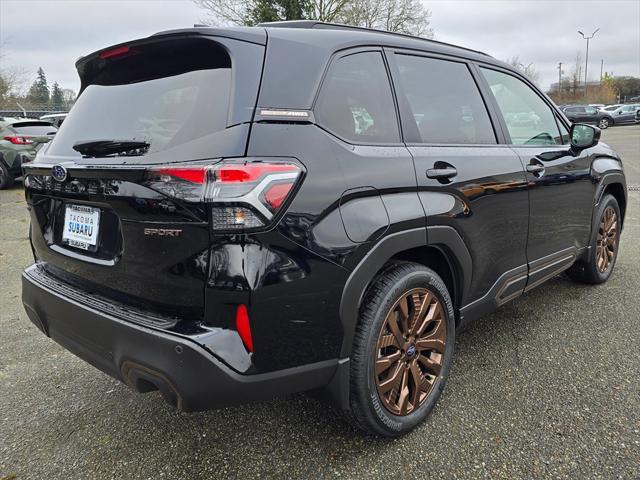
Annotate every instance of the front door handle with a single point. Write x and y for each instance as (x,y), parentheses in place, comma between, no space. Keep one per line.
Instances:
(440,173)
(536,168)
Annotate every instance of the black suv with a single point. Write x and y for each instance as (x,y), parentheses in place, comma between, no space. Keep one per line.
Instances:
(231,214)
(588,114)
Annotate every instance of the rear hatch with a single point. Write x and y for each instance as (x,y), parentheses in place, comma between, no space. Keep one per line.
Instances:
(99,219)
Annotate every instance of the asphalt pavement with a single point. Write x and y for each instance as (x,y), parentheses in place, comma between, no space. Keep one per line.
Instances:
(548,386)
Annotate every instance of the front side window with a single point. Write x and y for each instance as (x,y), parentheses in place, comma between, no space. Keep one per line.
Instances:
(530,121)
(445,101)
(591,110)
(356,102)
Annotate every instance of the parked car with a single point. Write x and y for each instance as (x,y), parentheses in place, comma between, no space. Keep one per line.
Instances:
(611,108)
(626,114)
(54,119)
(292,222)
(588,114)
(20,139)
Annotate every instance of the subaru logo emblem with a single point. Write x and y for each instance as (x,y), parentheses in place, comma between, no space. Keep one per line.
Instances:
(59,173)
(411,351)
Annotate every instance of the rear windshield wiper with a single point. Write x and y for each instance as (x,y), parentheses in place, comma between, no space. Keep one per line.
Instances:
(100,148)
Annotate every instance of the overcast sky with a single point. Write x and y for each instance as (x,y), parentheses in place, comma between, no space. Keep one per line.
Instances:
(54,33)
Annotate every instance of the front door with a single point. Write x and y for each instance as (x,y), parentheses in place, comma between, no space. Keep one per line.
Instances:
(560,188)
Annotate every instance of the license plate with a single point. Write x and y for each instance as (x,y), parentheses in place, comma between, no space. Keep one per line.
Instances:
(81,225)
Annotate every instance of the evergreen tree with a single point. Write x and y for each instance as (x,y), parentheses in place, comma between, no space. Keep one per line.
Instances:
(39,91)
(57,97)
(277,10)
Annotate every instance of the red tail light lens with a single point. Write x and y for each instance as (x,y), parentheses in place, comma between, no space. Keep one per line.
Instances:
(19,140)
(242,195)
(243,327)
(115,52)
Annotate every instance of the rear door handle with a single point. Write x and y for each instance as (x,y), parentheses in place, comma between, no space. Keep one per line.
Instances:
(536,168)
(446,172)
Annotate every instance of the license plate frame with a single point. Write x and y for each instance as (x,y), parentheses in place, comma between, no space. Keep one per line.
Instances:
(81,227)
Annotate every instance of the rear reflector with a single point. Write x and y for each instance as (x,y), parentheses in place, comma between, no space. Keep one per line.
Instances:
(243,327)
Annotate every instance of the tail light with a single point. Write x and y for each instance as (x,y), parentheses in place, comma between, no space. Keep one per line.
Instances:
(244,195)
(19,140)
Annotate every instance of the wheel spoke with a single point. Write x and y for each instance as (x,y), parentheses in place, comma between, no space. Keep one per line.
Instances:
(427,313)
(384,363)
(416,376)
(403,398)
(430,344)
(392,381)
(431,365)
(388,340)
(392,322)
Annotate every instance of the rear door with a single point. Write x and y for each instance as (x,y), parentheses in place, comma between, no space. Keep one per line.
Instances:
(576,114)
(466,179)
(122,222)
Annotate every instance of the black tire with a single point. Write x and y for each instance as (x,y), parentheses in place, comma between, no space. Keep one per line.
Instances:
(586,270)
(605,123)
(6,179)
(367,410)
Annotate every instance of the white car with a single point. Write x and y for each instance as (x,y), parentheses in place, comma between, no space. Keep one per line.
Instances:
(54,119)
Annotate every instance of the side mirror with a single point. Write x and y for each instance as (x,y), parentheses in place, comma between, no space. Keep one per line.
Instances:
(584,136)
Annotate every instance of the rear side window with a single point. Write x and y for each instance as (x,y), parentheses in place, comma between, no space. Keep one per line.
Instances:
(529,119)
(169,96)
(445,101)
(356,102)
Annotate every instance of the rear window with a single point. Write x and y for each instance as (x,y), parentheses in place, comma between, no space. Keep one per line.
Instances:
(171,97)
(34,128)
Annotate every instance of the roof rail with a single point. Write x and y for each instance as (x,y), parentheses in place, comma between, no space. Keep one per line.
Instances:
(310,24)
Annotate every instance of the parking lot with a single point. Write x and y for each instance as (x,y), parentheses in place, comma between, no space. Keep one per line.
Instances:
(546,387)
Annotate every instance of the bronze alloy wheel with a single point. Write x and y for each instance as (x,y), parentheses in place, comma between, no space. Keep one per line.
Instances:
(410,351)
(606,243)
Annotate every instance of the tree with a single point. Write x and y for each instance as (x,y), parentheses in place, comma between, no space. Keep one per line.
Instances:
(57,96)
(39,91)
(69,97)
(527,70)
(576,74)
(276,10)
(404,16)
(626,86)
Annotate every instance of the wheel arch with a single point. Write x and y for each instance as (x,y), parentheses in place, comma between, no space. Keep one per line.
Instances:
(439,247)
(611,180)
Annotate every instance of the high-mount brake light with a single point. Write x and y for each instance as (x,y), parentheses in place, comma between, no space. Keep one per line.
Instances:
(19,139)
(115,52)
(241,195)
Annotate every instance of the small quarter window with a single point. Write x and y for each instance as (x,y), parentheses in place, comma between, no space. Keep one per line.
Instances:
(356,102)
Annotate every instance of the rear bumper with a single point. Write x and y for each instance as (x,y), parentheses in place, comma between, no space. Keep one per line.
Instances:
(188,376)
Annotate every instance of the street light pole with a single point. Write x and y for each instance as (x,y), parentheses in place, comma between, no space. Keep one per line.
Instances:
(586,61)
